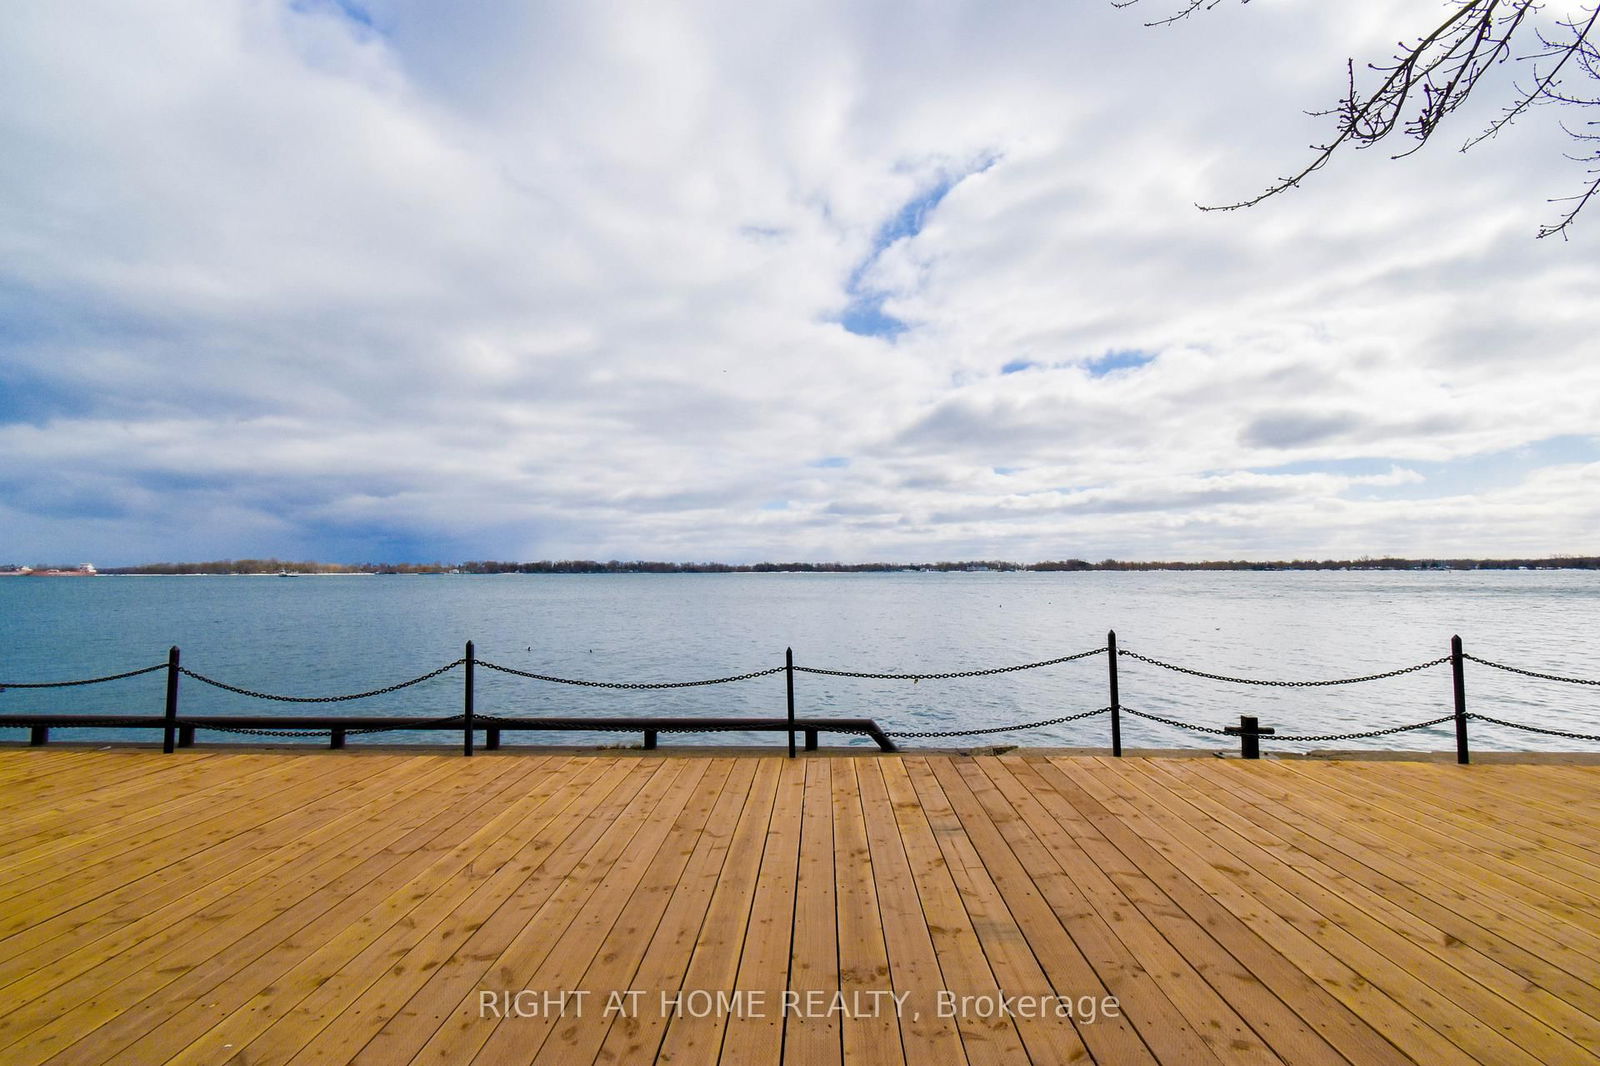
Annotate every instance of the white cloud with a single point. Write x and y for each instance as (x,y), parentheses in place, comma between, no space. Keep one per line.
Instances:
(526,282)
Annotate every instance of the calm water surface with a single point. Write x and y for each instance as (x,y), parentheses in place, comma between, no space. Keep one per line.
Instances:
(309,636)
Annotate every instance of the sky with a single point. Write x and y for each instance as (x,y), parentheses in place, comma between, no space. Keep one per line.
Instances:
(834,280)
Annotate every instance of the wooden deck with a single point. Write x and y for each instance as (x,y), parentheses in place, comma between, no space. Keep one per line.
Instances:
(210,907)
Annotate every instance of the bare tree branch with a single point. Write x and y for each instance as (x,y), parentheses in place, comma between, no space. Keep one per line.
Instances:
(1429,79)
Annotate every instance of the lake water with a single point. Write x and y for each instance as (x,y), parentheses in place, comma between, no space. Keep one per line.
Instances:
(309,636)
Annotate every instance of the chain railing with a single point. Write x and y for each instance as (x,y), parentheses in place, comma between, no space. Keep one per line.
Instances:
(1319,737)
(928,733)
(630,684)
(1530,673)
(951,674)
(179,729)
(385,690)
(83,681)
(1287,684)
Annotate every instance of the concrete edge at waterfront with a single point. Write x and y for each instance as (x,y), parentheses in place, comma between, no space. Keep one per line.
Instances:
(1573,758)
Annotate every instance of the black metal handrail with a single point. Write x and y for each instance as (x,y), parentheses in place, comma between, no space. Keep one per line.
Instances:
(179,729)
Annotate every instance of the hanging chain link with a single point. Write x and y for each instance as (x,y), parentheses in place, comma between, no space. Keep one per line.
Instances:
(710,726)
(1529,673)
(1284,684)
(946,676)
(347,730)
(430,675)
(1534,728)
(630,684)
(1362,736)
(1175,723)
(993,729)
(1292,736)
(84,681)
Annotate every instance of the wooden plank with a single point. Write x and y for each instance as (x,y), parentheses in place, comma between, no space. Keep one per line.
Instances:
(1191,851)
(1172,1015)
(756,1035)
(691,1036)
(634,1034)
(869,1037)
(988,1036)
(224,831)
(317,906)
(812,1034)
(536,912)
(1338,1026)
(91,805)
(77,859)
(1434,799)
(925,1036)
(62,773)
(1566,783)
(1566,970)
(561,964)
(1425,1024)
(1023,877)
(163,952)
(134,900)
(1137,946)
(1536,796)
(1515,974)
(1544,902)
(373,956)
(92,952)
(1472,980)
(602,964)
(1049,1036)
(1376,836)
(22,764)
(90,783)
(1273,1025)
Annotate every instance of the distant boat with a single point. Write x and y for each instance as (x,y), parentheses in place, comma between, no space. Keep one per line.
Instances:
(284,573)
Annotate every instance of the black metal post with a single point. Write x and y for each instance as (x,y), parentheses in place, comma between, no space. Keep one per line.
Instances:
(788,669)
(170,736)
(1249,737)
(1458,675)
(1250,733)
(1116,701)
(39,736)
(466,710)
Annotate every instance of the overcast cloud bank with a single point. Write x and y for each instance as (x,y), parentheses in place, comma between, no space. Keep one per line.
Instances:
(742,282)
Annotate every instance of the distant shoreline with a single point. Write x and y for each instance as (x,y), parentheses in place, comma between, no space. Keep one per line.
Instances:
(278,568)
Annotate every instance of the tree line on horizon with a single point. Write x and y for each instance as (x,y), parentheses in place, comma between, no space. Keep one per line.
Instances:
(615,566)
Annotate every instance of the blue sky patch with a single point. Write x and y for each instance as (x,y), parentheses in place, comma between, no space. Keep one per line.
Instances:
(831,462)
(865,315)
(28,398)
(349,9)
(1120,360)
(1017,366)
